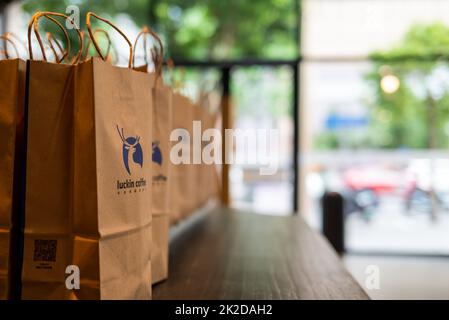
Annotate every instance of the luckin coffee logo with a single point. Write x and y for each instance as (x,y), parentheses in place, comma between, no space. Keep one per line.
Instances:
(157,154)
(131,150)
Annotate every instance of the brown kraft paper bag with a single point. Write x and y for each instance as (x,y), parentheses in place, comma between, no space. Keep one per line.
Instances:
(204,181)
(213,171)
(161,165)
(198,166)
(182,173)
(190,174)
(47,234)
(12,94)
(161,170)
(112,179)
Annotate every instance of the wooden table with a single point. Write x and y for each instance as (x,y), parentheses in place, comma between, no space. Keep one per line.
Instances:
(229,254)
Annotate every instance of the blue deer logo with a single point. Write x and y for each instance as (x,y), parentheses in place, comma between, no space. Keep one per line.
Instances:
(157,154)
(131,150)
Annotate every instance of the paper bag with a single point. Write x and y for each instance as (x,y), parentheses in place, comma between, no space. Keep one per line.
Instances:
(47,235)
(212,172)
(161,167)
(182,174)
(112,179)
(160,164)
(12,95)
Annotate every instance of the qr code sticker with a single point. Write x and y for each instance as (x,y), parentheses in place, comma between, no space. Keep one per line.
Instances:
(45,250)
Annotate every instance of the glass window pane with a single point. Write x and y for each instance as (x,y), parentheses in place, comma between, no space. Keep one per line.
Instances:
(262,98)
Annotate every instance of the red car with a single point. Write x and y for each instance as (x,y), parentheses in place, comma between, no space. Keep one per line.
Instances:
(373,177)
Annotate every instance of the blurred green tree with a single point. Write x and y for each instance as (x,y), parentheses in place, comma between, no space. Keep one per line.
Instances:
(217,29)
(416,113)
